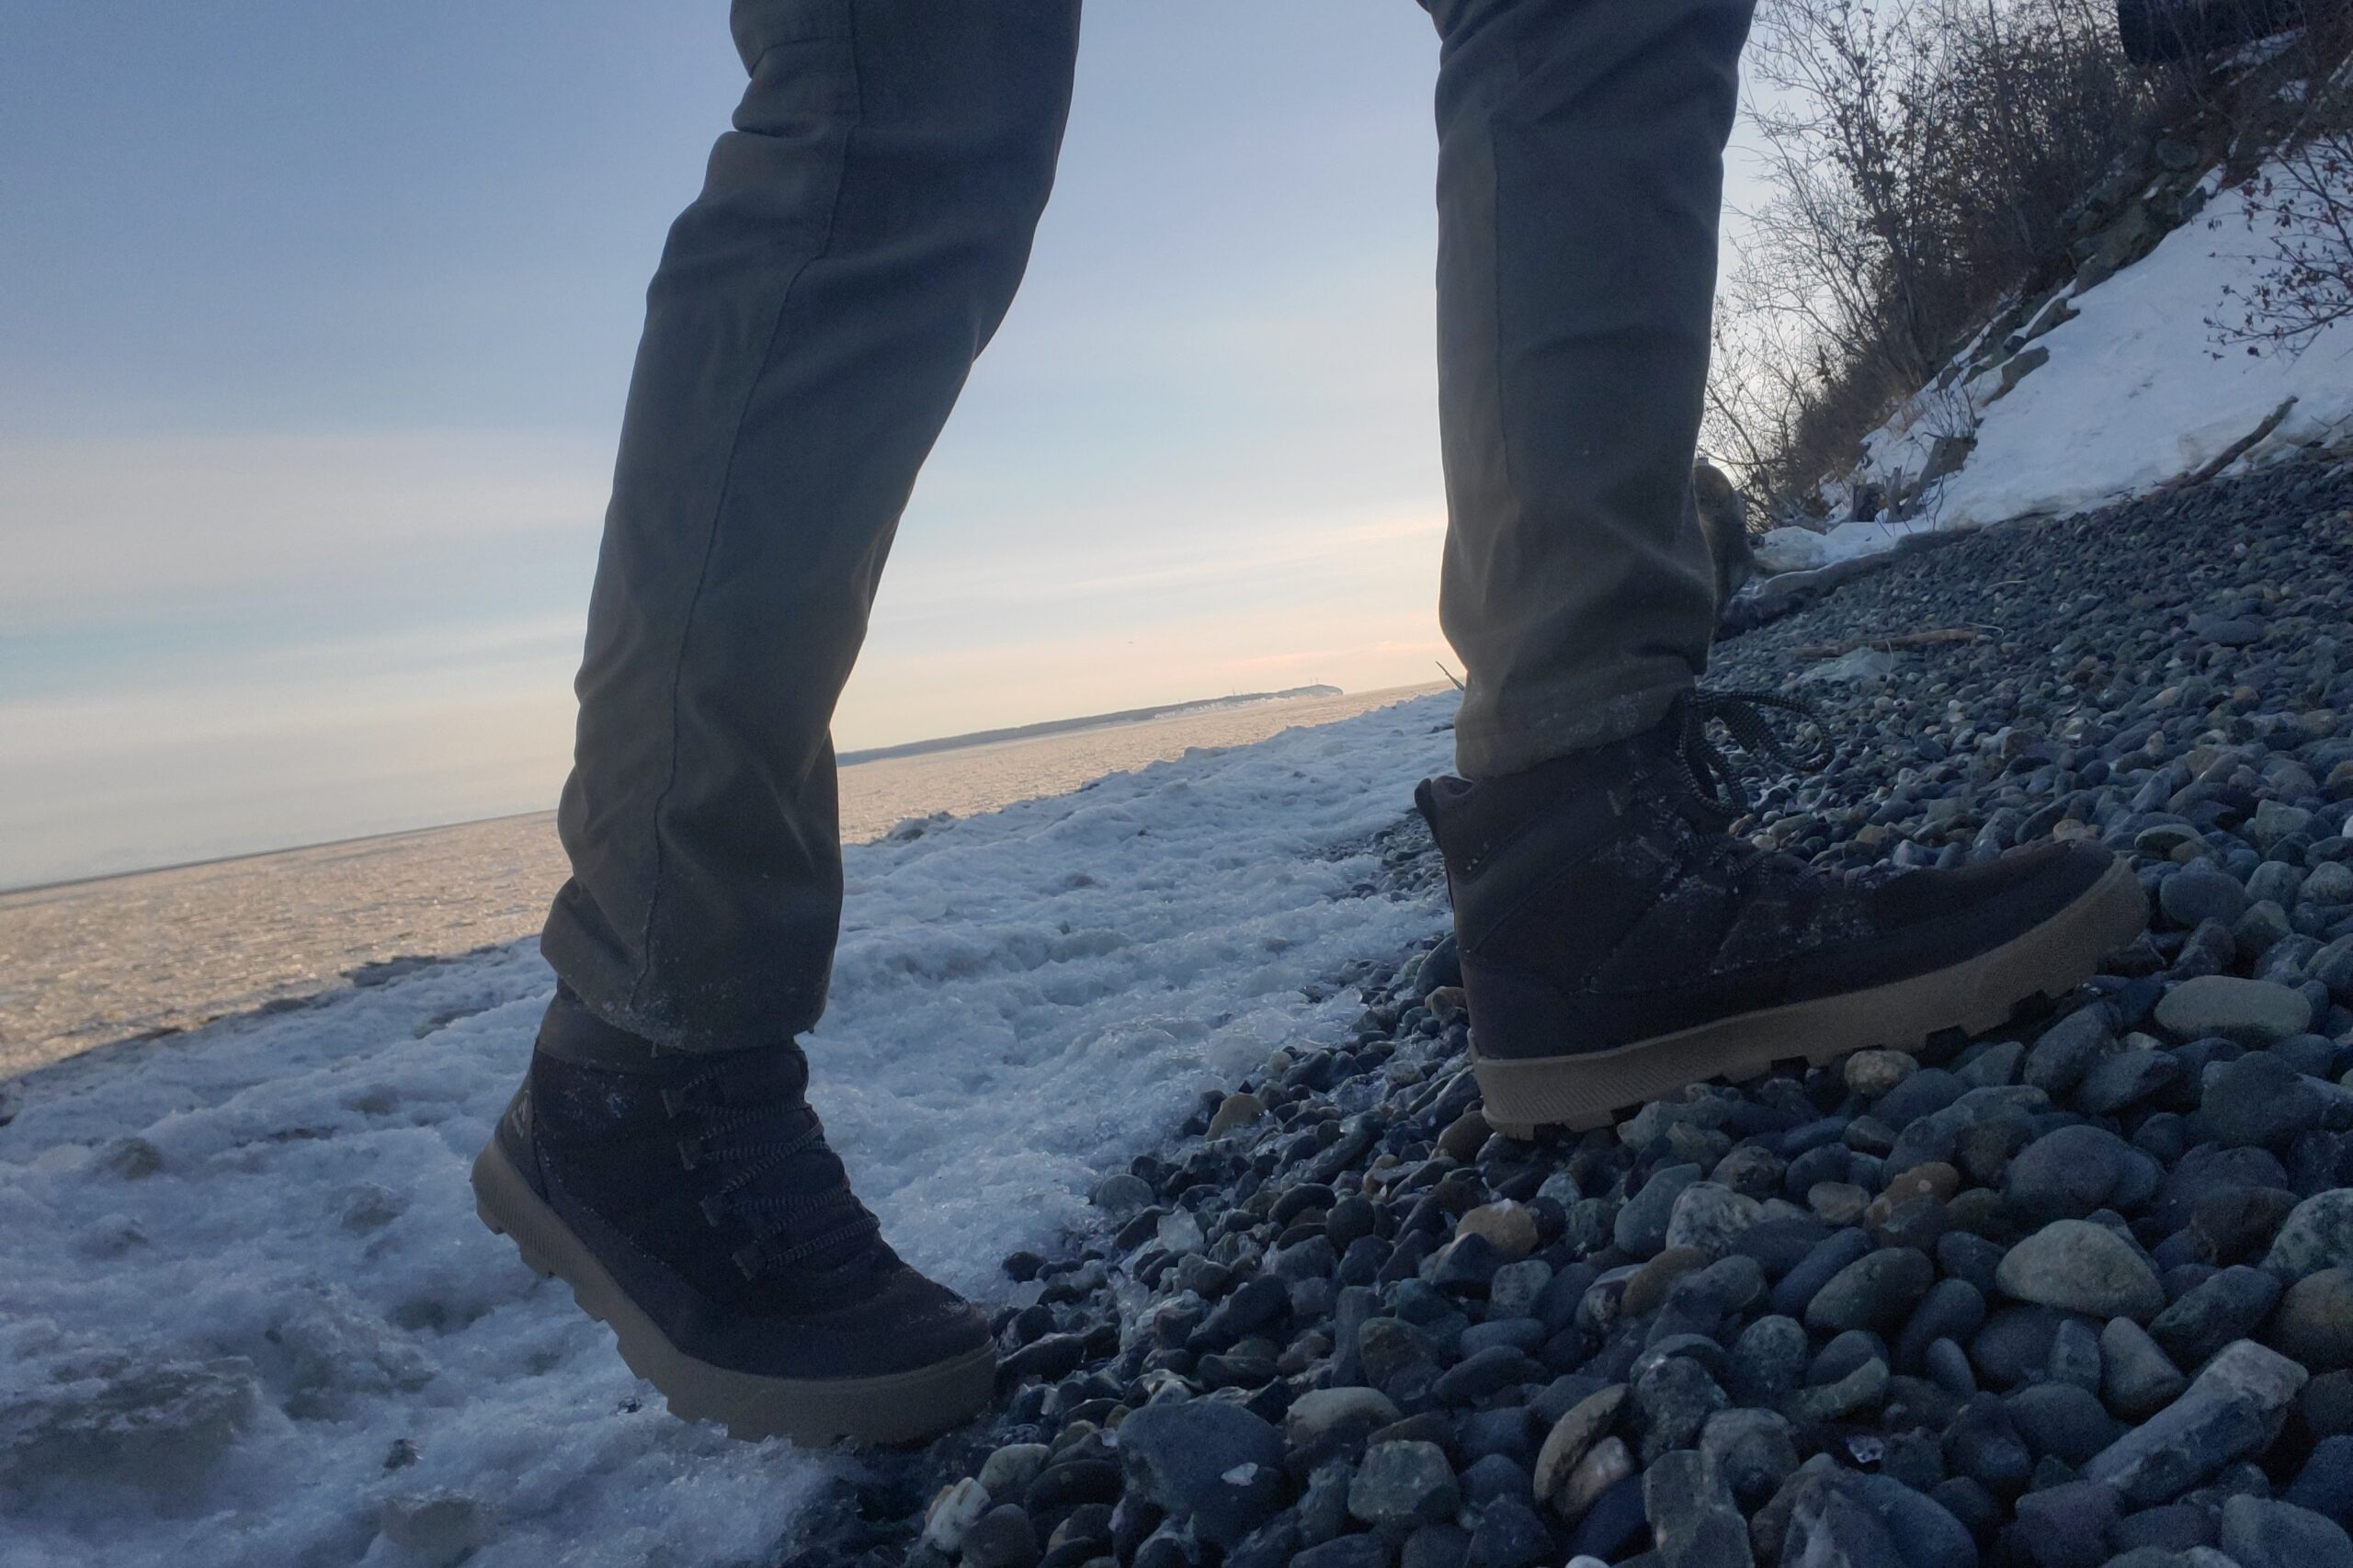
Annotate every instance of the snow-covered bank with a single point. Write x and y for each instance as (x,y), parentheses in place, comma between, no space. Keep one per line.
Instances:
(2126,393)
(246,1314)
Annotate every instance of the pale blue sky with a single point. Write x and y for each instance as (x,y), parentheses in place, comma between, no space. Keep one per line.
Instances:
(315,322)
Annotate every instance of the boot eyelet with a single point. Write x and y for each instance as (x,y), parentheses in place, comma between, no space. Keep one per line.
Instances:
(689,1156)
(712,1213)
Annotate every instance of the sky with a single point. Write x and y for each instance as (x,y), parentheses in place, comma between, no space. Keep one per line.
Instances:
(316,323)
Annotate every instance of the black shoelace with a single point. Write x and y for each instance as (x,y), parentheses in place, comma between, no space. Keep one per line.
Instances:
(1713,779)
(776,1177)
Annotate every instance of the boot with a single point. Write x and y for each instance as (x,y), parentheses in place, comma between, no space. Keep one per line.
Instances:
(1618,944)
(690,1202)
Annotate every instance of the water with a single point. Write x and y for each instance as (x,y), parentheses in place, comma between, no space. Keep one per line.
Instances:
(90,962)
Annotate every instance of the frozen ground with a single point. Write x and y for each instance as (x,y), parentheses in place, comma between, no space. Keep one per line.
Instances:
(246,1315)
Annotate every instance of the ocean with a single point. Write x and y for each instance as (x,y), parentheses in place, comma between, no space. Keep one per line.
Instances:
(83,964)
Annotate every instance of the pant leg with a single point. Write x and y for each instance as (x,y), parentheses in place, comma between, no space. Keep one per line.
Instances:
(859,236)
(1580,176)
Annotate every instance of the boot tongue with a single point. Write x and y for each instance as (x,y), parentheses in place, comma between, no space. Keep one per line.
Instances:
(763,1075)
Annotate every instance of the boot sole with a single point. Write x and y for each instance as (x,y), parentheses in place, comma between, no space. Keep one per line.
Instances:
(1588,1090)
(896,1407)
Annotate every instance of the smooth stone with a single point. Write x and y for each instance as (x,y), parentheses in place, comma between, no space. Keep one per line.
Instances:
(2315,1320)
(2226,1307)
(2080,1266)
(1234,1113)
(2253,1012)
(2201,893)
(1768,1359)
(1318,1413)
(1509,1227)
(2068,1526)
(1574,1436)
(2137,1378)
(1876,1291)
(2259,1533)
(1605,1467)
(2258,1101)
(1639,1229)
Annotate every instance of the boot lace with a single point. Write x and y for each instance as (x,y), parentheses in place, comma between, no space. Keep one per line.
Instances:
(1711,779)
(775,1177)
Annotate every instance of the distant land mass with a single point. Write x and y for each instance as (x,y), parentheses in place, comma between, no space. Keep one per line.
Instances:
(1092,721)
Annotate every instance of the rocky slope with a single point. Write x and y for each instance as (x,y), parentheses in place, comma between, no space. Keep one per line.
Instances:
(2076,1293)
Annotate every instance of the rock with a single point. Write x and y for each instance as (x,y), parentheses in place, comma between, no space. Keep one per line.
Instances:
(1573,1435)
(2073,1171)
(1767,1359)
(2259,1533)
(2224,1308)
(2067,1526)
(1405,1483)
(1641,1227)
(1692,1517)
(1829,1527)
(2198,892)
(2317,1234)
(2233,1408)
(1871,1073)
(1320,1412)
(2062,1420)
(1186,1459)
(2137,1378)
(1001,1538)
(1347,1551)
(2231,1224)
(1983,1445)
(1517,1287)
(1510,1228)
(953,1512)
(2258,1101)
(2325,1484)
(1753,1451)
(1861,1388)
(2315,1321)
(1672,1401)
(1009,1470)
(1710,1218)
(1507,1535)
(1234,1112)
(2080,1266)
(2067,1050)
(2125,1078)
(1605,1466)
(1876,1291)
(2253,1012)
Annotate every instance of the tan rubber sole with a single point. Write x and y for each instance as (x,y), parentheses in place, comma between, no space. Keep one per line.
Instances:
(1581,1092)
(898,1408)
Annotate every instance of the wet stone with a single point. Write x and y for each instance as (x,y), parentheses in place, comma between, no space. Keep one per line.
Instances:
(1403,1484)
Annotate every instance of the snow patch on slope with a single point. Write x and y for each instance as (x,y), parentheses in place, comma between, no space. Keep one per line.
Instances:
(246,1313)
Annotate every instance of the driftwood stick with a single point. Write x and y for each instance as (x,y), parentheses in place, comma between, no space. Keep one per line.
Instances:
(1888,644)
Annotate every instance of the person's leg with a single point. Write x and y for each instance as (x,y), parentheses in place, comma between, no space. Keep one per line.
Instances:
(1580,175)
(1617,942)
(859,236)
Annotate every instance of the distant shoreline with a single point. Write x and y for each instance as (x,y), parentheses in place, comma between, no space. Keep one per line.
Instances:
(1090,721)
(847,759)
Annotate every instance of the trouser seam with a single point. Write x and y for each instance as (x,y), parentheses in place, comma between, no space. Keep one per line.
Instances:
(719,509)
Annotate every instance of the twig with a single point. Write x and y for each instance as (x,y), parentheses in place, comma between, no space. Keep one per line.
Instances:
(1449,674)
(1888,644)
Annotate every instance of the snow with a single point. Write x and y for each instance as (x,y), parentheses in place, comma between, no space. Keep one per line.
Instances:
(246,1313)
(2134,395)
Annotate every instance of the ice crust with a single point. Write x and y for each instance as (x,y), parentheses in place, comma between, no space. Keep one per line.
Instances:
(247,1314)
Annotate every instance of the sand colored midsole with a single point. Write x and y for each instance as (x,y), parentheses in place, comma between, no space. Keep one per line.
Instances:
(1587,1090)
(895,1408)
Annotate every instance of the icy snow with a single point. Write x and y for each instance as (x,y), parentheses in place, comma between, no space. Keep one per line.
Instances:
(246,1313)
(2134,395)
